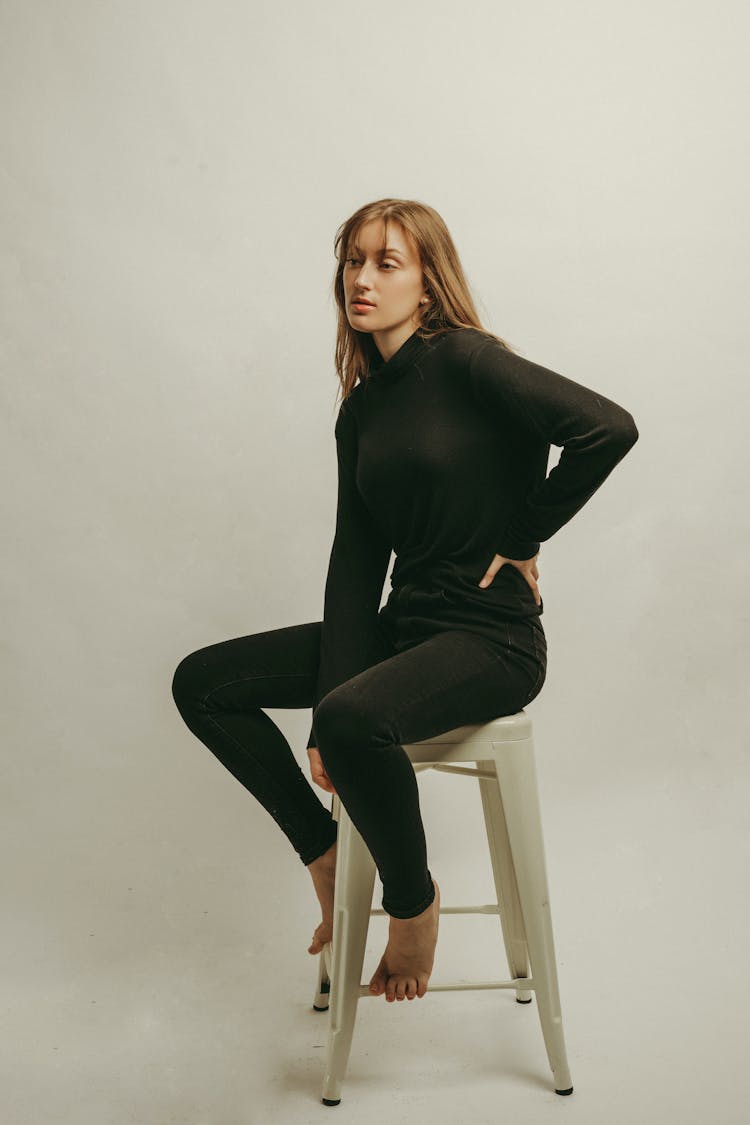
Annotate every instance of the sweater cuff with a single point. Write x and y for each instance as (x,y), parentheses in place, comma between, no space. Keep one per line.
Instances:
(520,550)
(312,740)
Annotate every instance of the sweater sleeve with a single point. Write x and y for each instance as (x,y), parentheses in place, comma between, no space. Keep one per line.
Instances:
(356,571)
(594,432)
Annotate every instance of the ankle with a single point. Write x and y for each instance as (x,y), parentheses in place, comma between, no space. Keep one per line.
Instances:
(424,916)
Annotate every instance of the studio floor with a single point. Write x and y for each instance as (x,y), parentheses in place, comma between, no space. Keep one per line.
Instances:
(156,969)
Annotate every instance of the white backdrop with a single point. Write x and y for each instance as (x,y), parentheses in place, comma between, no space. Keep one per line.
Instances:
(172,178)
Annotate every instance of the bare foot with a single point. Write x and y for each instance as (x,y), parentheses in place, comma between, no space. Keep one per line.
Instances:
(405,967)
(323,872)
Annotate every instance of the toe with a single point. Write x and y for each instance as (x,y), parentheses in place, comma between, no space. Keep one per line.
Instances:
(377,984)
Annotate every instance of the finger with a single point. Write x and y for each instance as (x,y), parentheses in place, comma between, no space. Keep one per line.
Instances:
(490,574)
(324,781)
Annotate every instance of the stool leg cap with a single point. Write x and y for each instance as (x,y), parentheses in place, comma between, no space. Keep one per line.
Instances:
(570,1091)
(317,1009)
(523,1001)
(330,1101)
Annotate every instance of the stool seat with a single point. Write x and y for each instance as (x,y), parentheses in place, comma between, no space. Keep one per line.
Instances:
(502,751)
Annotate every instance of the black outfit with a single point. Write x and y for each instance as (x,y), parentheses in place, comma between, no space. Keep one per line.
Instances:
(442,457)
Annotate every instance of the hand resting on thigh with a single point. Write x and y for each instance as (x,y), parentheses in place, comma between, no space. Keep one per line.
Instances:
(317,770)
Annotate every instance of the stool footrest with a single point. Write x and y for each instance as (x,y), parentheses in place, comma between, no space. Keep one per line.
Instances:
(521,983)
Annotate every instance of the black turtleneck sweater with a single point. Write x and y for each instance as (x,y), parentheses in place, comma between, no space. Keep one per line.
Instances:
(442,458)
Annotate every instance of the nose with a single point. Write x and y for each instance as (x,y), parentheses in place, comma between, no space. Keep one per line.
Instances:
(360,281)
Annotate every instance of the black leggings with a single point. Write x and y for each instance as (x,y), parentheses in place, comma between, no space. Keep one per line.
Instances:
(452,678)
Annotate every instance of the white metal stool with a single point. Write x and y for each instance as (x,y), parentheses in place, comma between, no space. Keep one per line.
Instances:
(503,753)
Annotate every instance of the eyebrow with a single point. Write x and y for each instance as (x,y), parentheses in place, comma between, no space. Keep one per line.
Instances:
(388,250)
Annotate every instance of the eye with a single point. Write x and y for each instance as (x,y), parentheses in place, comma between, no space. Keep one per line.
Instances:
(384,265)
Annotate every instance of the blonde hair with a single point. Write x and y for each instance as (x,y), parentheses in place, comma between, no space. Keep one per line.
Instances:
(450,306)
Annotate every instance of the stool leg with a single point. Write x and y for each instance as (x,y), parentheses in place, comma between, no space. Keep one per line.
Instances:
(516,772)
(511,917)
(355,881)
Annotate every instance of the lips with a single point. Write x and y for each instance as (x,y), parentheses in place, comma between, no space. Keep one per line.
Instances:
(361,301)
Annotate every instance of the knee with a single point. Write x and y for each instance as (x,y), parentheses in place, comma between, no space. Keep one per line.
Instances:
(335,722)
(186,680)
(343,722)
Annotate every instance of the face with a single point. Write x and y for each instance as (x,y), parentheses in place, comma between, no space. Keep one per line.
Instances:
(390,280)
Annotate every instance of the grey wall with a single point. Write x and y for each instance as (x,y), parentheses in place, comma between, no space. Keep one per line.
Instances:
(172,178)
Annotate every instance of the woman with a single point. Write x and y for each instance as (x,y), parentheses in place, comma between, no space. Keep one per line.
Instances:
(443,437)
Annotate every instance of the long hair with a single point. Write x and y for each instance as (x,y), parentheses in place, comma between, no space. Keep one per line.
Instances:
(450,306)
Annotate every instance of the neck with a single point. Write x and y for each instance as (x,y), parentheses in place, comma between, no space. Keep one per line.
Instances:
(390,339)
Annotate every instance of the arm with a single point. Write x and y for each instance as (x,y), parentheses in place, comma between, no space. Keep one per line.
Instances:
(356,572)
(595,434)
